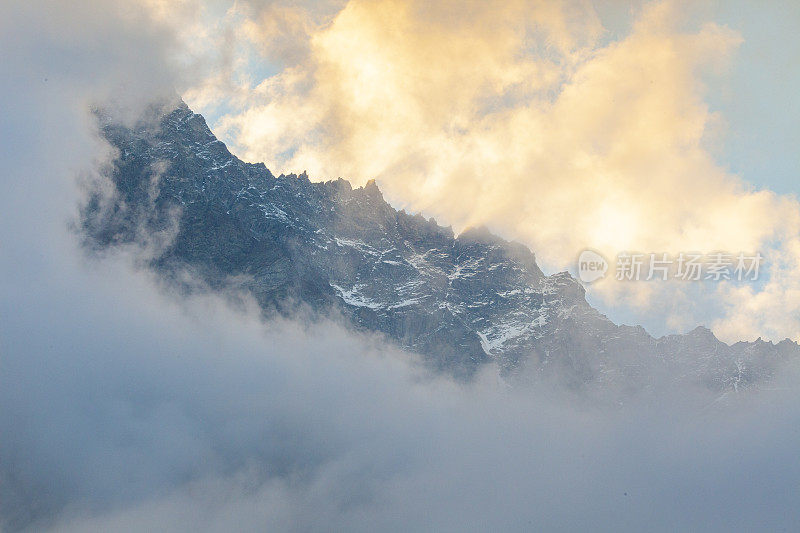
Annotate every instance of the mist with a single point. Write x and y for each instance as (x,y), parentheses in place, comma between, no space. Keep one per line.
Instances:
(126,406)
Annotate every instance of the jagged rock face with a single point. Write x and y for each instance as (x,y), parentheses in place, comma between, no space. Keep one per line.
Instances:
(461,302)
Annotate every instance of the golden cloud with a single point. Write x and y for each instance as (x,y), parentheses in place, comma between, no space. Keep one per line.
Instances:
(527,117)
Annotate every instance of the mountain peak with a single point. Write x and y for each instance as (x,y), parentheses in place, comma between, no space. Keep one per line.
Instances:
(480,234)
(372,190)
(460,302)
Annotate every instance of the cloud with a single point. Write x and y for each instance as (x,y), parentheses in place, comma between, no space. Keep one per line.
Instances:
(126,407)
(527,117)
(129,410)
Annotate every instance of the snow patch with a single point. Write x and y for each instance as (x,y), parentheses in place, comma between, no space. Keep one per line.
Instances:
(354,298)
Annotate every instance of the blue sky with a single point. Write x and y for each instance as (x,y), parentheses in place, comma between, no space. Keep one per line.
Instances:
(760,101)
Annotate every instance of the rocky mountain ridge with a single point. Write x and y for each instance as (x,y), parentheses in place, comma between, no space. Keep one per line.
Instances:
(460,301)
